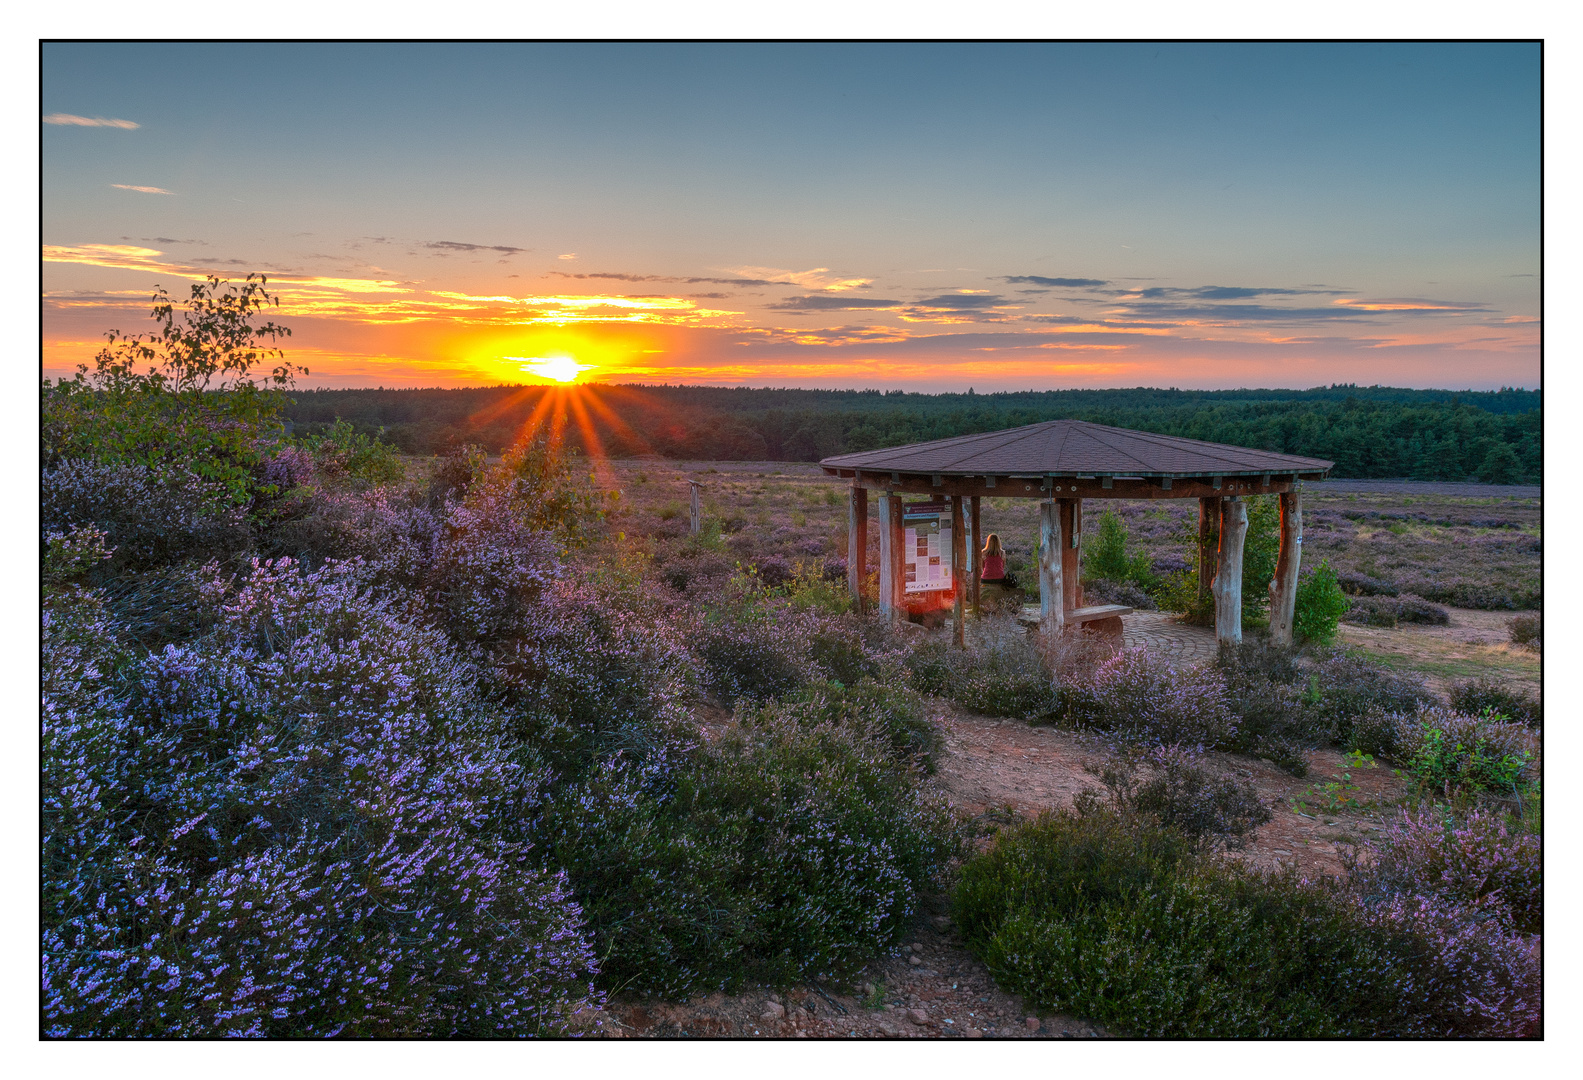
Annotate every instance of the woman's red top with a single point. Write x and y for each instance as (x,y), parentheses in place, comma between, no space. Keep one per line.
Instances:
(994,568)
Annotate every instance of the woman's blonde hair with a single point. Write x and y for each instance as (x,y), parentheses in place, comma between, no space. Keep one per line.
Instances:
(992,546)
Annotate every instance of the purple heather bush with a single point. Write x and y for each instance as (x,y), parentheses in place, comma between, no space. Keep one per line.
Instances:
(1479,859)
(301,823)
(1145,701)
(149,517)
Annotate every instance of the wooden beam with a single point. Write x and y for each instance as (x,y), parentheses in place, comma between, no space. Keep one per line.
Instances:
(856,543)
(1283,587)
(1228,575)
(1023,487)
(1208,527)
(978,552)
(1052,610)
(958,568)
(891,568)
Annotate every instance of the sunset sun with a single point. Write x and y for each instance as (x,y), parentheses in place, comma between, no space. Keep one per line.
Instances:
(562,369)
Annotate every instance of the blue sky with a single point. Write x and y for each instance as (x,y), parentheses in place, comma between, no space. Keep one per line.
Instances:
(930,216)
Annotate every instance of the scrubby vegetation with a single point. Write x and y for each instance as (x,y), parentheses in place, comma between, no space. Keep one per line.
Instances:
(336,745)
(1131,923)
(341,742)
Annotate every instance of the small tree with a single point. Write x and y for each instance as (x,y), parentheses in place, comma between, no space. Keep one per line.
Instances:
(1319,605)
(1107,556)
(197,406)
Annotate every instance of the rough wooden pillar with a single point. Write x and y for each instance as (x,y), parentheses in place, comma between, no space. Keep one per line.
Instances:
(891,568)
(958,568)
(1071,528)
(1208,522)
(977,565)
(696,521)
(1283,587)
(1052,613)
(857,543)
(1228,574)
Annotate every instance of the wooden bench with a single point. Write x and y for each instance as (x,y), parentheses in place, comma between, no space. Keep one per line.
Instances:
(1102,619)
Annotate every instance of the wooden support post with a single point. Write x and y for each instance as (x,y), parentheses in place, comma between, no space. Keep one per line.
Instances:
(857,543)
(1283,587)
(1071,522)
(1052,612)
(1208,524)
(977,566)
(697,519)
(891,568)
(1228,574)
(958,569)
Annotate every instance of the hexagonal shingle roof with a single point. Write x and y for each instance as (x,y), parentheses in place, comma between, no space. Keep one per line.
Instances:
(1075,448)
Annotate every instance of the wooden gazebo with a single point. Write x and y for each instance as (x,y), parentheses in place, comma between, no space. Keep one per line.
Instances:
(1061,463)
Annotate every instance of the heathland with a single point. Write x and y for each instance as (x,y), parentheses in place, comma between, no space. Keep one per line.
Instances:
(343,741)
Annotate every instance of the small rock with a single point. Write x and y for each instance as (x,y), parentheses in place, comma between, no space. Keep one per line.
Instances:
(917,946)
(1032,1022)
(867,988)
(972,1033)
(918,1016)
(941,923)
(914,961)
(773,1010)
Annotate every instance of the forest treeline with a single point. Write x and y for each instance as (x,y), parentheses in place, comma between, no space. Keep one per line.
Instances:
(1369,432)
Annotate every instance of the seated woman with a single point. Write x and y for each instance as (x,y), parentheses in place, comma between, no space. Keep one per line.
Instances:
(995,564)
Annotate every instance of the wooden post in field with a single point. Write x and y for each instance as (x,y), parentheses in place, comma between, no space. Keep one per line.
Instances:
(1071,523)
(1283,587)
(857,543)
(1208,520)
(977,564)
(891,568)
(1228,574)
(958,569)
(1052,612)
(697,519)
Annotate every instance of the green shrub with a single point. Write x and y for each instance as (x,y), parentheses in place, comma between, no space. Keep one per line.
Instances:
(997,674)
(894,717)
(1173,786)
(1446,750)
(1319,605)
(1493,695)
(341,450)
(1344,687)
(785,851)
(1107,556)
(1526,630)
(196,410)
(1128,926)
(1264,693)
(1124,926)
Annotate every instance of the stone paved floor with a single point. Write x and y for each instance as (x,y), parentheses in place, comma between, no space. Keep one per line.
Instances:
(1176,642)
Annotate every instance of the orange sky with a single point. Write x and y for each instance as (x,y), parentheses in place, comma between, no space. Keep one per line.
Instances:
(928,217)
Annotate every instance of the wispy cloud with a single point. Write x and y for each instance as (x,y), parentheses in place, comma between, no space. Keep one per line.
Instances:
(1227,292)
(68,120)
(664,278)
(144,190)
(1055,282)
(818,278)
(453,245)
(831,303)
(1412,305)
(569,255)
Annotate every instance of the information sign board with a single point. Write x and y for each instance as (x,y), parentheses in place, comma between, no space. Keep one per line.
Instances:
(926,547)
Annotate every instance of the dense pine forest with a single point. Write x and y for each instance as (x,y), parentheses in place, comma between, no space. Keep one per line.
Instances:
(1369,432)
